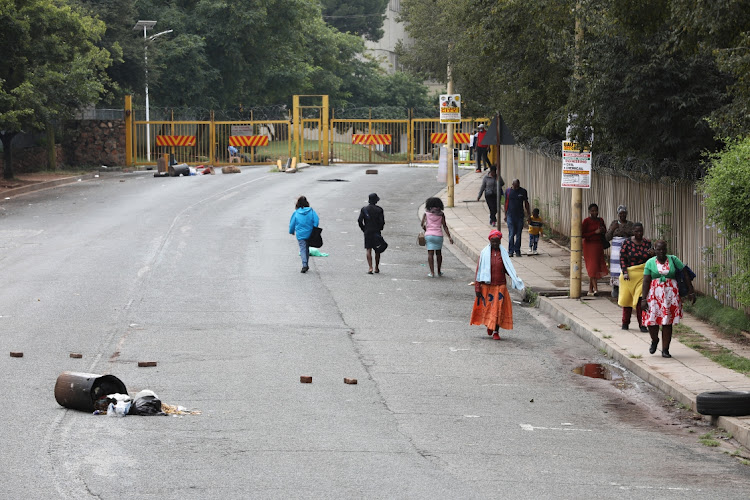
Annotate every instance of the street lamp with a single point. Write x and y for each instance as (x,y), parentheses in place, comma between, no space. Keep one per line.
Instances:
(147,25)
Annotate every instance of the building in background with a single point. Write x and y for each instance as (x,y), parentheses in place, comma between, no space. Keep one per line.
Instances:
(384,50)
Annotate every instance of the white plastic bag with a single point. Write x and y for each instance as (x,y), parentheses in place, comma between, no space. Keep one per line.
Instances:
(121,408)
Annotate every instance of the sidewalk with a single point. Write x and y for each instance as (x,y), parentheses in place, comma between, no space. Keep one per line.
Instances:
(682,377)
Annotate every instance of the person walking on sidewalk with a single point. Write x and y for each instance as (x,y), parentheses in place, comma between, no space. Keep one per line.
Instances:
(619,231)
(433,223)
(516,210)
(489,188)
(493,306)
(634,253)
(372,221)
(303,220)
(660,297)
(481,150)
(536,227)
(592,230)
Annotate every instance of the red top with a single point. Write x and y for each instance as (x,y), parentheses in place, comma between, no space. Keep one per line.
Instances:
(589,226)
(480,136)
(497,270)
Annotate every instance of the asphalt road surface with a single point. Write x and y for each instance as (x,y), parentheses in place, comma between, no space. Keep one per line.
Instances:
(200,275)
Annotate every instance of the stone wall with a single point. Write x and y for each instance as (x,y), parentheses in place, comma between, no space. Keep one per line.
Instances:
(85,143)
(33,159)
(95,143)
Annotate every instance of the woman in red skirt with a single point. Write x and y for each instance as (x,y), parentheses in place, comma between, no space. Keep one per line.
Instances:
(592,229)
(492,305)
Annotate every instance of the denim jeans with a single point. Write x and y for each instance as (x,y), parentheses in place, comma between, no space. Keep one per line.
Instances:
(515,230)
(304,251)
(533,242)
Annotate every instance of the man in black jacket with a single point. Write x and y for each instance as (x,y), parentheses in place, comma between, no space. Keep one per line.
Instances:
(371,221)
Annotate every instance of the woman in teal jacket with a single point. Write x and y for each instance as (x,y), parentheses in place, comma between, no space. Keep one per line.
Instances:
(303,220)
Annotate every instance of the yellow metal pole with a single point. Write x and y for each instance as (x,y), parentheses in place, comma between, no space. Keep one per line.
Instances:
(576,199)
(296,124)
(451,180)
(212,140)
(369,131)
(410,132)
(129,130)
(324,139)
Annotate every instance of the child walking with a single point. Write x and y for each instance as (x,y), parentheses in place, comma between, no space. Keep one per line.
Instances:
(535,231)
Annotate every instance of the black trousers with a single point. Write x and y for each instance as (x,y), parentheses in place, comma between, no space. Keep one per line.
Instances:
(492,205)
(482,153)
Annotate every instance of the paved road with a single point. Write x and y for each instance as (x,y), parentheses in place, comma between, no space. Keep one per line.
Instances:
(200,275)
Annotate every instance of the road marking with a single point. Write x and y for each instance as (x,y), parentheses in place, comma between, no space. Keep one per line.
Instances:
(453,349)
(531,428)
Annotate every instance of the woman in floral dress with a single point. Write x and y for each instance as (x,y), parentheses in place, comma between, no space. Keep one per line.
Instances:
(660,298)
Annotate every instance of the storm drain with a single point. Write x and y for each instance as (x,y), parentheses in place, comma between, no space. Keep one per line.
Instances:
(599,370)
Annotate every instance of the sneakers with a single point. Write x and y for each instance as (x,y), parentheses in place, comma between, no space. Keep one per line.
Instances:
(430,275)
(304,269)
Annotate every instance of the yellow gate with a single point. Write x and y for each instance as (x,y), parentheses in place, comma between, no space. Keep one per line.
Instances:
(309,135)
(370,141)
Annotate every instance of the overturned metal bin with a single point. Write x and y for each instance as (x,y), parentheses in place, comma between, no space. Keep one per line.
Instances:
(79,391)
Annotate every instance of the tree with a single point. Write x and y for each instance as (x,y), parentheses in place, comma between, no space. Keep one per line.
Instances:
(727,201)
(358,17)
(51,66)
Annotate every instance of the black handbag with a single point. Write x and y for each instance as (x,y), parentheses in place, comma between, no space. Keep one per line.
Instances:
(379,243)
(682,285)
(316,239)
(605,242)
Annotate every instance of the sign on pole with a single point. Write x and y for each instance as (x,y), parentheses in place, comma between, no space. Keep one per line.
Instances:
(576,166)
(241,130)
(450,108)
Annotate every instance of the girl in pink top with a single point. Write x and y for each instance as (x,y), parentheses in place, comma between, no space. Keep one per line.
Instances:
(433,223)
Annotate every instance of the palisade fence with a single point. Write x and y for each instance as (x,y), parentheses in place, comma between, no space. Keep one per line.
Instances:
(672,211)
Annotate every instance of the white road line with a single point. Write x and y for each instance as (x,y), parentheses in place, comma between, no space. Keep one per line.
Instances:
(531,428)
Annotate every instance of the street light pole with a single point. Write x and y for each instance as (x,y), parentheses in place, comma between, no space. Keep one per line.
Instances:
(147,25)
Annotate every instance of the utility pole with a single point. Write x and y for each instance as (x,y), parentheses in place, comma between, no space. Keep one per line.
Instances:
(450,179)
(576,195)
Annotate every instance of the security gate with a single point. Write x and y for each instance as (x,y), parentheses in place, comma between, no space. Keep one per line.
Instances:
(309,135)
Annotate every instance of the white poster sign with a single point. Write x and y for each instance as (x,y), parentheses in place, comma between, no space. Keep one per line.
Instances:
(241,130)
(450,108)
(576,166)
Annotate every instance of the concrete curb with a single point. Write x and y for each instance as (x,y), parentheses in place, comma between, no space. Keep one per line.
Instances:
(736,426)
(49,184)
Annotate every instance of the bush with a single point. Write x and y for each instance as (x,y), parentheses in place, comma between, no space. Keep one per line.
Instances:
(727,202)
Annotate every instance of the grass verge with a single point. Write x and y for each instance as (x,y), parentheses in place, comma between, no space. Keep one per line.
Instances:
(727,319)
(711,350)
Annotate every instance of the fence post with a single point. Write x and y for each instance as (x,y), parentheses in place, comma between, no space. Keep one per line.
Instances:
(129,130)
(212,142)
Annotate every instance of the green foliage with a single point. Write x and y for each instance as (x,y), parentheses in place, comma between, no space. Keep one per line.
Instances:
(359,17)
(727,190)
(727,319)
(50,68)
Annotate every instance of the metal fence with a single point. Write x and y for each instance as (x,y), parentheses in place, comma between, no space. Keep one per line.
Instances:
(671,210)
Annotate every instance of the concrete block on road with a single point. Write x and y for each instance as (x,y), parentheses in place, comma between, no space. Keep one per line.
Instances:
(350,381)
(16,354)
(76,355)
(146,364)
(305,379)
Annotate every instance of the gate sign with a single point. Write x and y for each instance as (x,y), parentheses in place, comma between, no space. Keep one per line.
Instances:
(576,166)
(450,108)
(241,130)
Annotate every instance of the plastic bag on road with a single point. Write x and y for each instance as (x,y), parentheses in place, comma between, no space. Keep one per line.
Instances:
(120,405)
(146,403)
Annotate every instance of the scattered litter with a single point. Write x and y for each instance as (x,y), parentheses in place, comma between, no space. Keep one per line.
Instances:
(7,198)
(177,410)
(230,170)
(350,381)
(16,354)
(371,171)
(563,326)
(315,252)
(120,406)
(147,402)
(305,379)
(96,176)
(122,180)
(146,364)
(76,355)
(532,400)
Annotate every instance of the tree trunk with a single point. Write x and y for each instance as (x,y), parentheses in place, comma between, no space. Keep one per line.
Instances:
(7,140)
(51,153)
